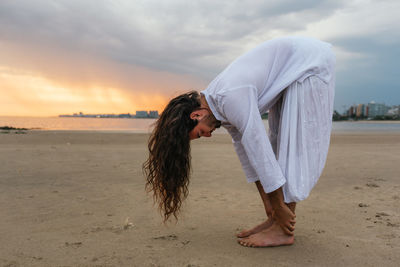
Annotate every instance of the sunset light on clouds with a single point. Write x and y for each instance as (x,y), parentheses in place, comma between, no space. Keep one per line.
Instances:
(34,95)
(42,81)
(45,98)
(61,57)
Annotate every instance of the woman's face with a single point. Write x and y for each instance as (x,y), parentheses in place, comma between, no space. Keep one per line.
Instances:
(201,129)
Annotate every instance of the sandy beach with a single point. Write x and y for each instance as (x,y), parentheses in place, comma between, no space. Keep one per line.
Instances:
(70,198)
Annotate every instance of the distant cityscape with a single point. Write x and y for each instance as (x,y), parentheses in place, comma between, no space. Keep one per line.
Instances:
(370,111)
(141,114)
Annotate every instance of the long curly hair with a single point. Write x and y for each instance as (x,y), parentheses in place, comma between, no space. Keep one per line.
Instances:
(168,167)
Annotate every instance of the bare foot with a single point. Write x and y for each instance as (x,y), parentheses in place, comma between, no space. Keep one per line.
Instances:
(271,237)
(258,228)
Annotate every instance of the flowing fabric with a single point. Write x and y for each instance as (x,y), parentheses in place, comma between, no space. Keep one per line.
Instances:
(299,130)
(293,78)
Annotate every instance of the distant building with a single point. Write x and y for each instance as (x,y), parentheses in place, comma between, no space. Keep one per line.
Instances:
(365,110)
(80,114)
(141,114)
(360,111)
(127,115)
(351,113)
(377,109)
(394,111)
(153,114)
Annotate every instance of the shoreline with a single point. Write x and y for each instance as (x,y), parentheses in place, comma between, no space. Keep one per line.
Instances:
(370,121)
(216,133)
(146,125)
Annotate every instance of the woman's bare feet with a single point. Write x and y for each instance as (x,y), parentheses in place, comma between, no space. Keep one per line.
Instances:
(256,229)
(271,237)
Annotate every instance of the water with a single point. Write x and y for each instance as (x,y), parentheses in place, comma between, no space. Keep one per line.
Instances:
(366,126)
(80,124)
(145,125)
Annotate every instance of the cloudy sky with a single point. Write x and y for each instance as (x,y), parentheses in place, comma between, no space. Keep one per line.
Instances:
(118,56)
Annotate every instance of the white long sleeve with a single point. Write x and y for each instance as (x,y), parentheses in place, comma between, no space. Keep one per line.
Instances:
(254,150)
(251,85)
(249,171)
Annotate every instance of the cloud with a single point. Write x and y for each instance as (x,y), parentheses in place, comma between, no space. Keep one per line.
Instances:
(366,35)
(175,36)
(166,47)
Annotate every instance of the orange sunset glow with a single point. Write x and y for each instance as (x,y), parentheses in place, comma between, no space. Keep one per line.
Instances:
(49,80)
(87,85)
(26,95)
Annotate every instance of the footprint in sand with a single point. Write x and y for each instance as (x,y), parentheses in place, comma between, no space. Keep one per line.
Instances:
(73,244)
(166,237)
(386,236)
(393,224)
(372,185)
(11,264)
(114,229)
(379,215)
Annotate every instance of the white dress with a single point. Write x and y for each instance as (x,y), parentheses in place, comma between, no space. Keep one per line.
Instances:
(293,78)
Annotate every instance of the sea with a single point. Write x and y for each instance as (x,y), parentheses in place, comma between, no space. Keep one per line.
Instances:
(131,125)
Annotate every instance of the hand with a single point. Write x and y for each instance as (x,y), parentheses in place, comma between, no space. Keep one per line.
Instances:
(285,218)
(282,214)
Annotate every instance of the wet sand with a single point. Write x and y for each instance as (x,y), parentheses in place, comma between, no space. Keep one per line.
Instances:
(77,199)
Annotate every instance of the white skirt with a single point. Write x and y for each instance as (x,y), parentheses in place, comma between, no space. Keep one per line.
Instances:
(300,125)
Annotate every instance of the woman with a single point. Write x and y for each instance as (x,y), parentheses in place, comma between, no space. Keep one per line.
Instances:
(293,79)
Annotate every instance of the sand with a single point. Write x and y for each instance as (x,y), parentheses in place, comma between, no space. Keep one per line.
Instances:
(77,199)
